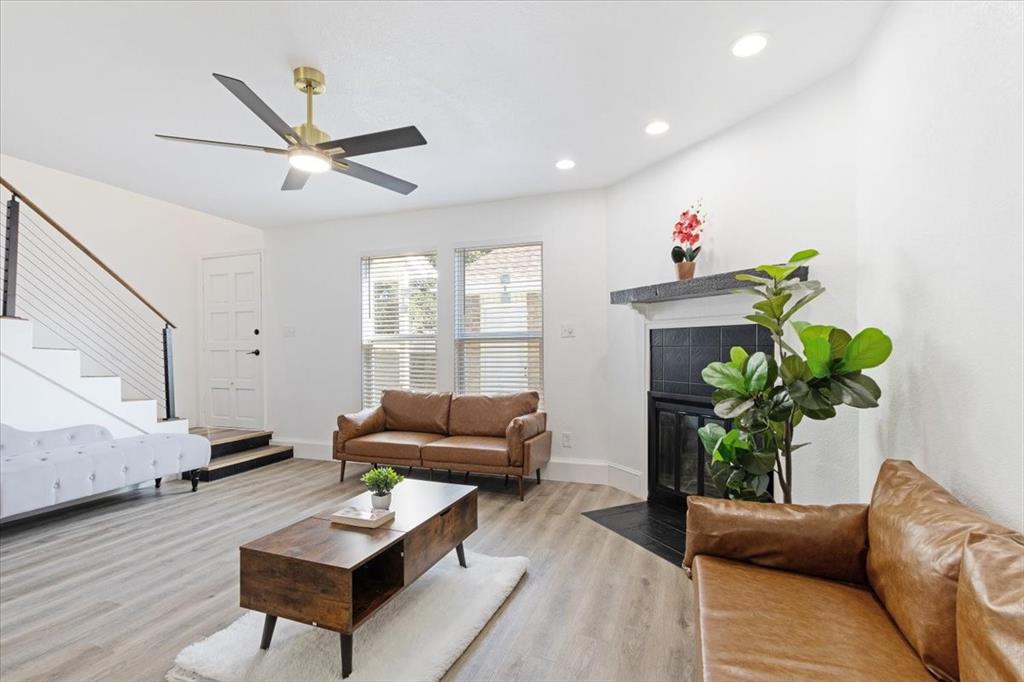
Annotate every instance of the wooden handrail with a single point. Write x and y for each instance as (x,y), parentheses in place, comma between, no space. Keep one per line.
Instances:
(83,248)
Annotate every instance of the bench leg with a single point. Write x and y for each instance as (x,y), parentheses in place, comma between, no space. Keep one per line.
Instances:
(268,631)
(341,476)
(195,480)
(538,476)
(520,488)
(346,655)
(158,482)
(462,554)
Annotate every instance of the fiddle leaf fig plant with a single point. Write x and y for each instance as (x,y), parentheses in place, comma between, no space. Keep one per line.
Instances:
(815,369)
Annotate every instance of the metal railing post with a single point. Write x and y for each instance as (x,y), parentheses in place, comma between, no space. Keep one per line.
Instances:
(11,259)
(168,373)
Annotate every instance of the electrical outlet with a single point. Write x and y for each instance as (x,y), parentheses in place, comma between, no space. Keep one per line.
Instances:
(566,439)
(569,330)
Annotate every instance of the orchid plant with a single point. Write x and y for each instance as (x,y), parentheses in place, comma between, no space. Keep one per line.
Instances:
(767,397)
(687,234)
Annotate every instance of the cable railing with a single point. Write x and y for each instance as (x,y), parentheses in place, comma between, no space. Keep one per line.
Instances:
(77,300)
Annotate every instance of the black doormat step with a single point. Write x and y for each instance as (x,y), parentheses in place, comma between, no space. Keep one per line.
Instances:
(655,527)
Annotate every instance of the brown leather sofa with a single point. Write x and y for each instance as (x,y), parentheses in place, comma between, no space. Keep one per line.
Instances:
(914,586)
(484,434)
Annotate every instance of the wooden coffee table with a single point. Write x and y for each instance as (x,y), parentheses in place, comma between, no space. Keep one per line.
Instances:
(335,577)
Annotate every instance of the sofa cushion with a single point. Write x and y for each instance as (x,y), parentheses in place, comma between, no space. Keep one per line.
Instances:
(990,608)
(916,534)
(423,412)
(390,444)
(489,415)
(468,450)
(810,629)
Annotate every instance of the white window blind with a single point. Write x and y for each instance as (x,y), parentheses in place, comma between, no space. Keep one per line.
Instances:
(399,324)
(499,319)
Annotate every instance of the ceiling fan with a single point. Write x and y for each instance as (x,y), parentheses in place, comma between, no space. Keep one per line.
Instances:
(310,150)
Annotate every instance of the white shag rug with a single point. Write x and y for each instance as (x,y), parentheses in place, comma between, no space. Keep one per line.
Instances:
(415,638)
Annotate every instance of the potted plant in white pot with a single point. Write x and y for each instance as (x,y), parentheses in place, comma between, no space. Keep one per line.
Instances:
(381,481)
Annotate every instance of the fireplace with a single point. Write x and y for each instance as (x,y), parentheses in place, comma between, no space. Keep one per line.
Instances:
(679,403)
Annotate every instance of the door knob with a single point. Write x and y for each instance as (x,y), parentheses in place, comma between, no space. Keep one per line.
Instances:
(254,352)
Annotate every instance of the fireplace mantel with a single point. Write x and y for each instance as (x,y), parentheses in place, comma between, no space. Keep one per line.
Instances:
(698,287)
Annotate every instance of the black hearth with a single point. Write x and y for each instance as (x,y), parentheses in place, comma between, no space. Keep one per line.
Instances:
(679,403)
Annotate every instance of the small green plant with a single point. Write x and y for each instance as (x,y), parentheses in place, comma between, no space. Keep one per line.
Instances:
(381,480)
(767,397)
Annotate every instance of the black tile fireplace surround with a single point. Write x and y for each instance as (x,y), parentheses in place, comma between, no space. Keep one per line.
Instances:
(679,403)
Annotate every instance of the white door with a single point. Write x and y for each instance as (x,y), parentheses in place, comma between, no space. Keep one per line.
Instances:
(232,341)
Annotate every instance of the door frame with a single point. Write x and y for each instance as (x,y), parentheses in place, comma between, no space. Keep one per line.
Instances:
(204,415)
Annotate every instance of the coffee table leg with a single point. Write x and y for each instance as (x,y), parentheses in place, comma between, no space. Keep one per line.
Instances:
(268,631)
(462,555)
(346,655)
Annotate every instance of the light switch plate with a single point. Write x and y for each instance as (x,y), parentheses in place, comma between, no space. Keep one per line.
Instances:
(569,330)
(566,439)
(289,332)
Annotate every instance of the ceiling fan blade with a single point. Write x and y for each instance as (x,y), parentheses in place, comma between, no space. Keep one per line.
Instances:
(386,140)
(375,177)
(215,143)
(259,107)
(295,179)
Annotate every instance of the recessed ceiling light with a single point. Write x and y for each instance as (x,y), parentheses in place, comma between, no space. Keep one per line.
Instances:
(565,164)
(656,128)
(750,44)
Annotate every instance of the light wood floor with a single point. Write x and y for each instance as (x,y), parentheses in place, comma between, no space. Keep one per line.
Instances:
(114,591)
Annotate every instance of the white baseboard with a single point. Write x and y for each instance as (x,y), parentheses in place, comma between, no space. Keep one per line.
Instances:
(572,469)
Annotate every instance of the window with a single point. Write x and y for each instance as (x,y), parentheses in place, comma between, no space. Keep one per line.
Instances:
(399,324)
(499,329)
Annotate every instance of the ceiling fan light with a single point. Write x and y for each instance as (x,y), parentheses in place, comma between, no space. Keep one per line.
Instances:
(309,161)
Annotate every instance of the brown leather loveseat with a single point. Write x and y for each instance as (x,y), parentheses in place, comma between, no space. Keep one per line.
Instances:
(487,434)
(914,586)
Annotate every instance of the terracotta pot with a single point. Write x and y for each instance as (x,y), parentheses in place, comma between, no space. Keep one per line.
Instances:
(685,269)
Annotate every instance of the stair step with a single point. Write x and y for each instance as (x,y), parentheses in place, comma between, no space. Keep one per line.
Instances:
(226,441)
(247,460)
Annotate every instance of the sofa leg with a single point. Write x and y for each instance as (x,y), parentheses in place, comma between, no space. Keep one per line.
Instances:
(538,476)
(521,498)
(449,475)
(409,472)
(158,482)
(341,476)
(506,480)
(430,473)
(466,478)
(195,480)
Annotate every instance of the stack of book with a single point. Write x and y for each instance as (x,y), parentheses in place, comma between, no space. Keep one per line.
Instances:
(361,517)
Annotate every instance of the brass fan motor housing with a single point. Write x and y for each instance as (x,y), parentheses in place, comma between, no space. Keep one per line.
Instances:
(307,76)
(311,134)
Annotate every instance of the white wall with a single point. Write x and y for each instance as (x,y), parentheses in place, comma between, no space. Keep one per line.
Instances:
(777,183)
(314,284)
(154,245)
(940,213)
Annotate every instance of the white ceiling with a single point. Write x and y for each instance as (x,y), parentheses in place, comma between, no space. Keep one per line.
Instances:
(500,90)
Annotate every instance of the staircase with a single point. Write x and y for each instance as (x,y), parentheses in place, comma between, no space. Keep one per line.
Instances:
(233,451)
(44,388)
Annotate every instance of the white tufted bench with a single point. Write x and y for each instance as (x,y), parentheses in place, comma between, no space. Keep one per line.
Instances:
(43,468)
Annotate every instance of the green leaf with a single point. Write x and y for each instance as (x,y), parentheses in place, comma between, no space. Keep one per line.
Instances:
(738,356)
(799,326)
(733,407)
(755,372)
(819,357)
(720,394)
(838,339)
(793,368)
(777,272)
(858,390)
(802,256)
(761,484)
(809,397)
(822,414)
(765,321)
(756,291)
(724,375)
(757,462)
(780,405)
(774,306)
(744,277)
(869,348)
(802,302)
(814,331)
(711,435)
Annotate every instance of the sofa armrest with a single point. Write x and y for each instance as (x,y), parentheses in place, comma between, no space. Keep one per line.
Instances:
(829,542)
(522,429)
(370,420)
